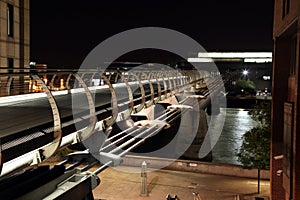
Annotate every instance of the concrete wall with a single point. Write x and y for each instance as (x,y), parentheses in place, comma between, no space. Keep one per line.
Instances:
(195,166)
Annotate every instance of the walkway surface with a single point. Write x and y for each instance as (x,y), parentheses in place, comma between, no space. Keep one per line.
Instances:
(122,183)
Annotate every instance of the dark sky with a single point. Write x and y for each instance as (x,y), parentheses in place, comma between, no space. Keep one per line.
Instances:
(63,32)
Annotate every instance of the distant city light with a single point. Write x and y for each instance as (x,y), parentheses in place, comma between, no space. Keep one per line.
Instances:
(258,60)
(235,55)
(247,57)
(267,78)
(245,72)
(32,63)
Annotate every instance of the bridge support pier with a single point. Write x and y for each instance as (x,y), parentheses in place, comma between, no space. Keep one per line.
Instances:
(193,120)
(214,107)
(193,151)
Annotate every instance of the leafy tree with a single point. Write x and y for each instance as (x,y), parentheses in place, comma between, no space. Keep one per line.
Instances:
(245,85)
(255,149)
(261,113)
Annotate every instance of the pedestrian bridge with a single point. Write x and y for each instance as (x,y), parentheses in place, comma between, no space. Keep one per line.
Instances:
(111,113)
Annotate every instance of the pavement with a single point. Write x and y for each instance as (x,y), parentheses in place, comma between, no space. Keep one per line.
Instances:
(124,183)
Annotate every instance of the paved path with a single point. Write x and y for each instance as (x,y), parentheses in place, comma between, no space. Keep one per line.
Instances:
(123,183)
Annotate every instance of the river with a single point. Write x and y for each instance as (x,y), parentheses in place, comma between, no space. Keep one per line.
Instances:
(237,122)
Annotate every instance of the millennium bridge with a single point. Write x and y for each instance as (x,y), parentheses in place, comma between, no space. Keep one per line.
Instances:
(103,114)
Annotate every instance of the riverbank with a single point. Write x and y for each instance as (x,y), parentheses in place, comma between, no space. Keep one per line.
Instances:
(195,166)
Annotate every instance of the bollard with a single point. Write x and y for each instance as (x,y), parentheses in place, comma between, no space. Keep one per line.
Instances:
(144,191)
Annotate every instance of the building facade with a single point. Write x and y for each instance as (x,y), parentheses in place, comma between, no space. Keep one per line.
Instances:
(285,144)
(14,42)
(257,65)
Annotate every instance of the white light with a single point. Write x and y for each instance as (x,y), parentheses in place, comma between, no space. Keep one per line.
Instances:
(245,72)
(61,92)
(258,60)
(96,81)
(199,60)
(235,55)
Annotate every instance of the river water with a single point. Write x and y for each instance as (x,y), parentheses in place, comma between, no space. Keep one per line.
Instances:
(237,122)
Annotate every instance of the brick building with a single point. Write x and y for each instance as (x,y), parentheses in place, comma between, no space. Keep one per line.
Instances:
(14,40)
(285,147)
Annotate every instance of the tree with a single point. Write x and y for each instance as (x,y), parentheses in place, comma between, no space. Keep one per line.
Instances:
(261,113)
(255,149)
(245,87)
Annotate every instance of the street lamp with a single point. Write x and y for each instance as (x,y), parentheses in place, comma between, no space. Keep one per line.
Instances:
(245,72)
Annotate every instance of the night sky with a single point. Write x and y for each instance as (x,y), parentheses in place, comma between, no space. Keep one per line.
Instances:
(63,32)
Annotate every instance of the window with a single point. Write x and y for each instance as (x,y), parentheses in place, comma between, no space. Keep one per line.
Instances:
(10,65)
(10,20)
(293,55)
(285,8)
